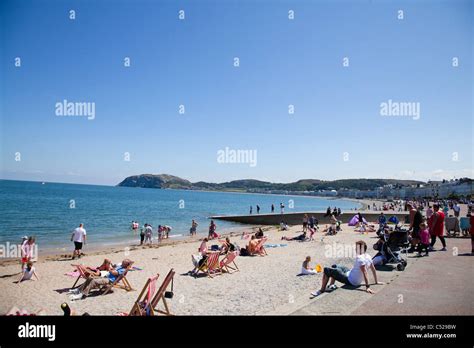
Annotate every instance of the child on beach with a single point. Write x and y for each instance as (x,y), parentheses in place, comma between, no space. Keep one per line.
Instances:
(306,269)
(27,250)
(424,234)
(28,272)
(160,233)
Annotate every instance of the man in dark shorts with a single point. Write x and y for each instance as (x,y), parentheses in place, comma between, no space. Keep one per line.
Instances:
(78,237)
(356,276)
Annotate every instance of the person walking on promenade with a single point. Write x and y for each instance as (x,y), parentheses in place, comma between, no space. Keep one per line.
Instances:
(436,224)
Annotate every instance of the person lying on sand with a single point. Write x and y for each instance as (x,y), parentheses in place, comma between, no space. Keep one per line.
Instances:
(101,271)
(28,272)
(94,283)
(354,277)
(365,228)
(301,237)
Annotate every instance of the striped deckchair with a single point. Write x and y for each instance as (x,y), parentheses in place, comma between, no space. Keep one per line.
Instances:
(211,265)
(161,295)
(228,264)
(141,305)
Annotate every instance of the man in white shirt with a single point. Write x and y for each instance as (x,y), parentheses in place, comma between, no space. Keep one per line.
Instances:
(355,276)
(78,237)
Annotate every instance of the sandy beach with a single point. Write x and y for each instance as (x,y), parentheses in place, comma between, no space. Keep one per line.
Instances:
(264,285)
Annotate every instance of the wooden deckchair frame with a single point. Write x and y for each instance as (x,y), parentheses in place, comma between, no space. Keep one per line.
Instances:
(122,278)
(260,246)
(229,266)
(140,306)
(82,273)
(152,307)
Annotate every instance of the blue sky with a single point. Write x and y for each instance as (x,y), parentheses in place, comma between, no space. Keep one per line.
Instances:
(190,62)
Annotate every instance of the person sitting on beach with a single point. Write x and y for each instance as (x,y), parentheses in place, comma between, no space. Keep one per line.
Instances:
(28,272)
(284,226)
(329,230)
(253,246)
(94,283)
(301,237)
(259,234)
(198,260)
(355,276)
(305,268)
(227,246)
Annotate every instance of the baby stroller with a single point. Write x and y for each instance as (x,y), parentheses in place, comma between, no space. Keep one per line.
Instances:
(391,247)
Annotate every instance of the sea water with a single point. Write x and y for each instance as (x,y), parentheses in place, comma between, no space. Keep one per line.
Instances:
(50,211)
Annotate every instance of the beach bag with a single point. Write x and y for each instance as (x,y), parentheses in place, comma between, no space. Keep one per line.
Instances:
(244,252)
(214,247)
(170,294)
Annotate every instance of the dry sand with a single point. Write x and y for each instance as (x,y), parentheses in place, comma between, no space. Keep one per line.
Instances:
(264,285)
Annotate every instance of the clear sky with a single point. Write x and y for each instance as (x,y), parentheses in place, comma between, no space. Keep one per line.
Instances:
(190,62)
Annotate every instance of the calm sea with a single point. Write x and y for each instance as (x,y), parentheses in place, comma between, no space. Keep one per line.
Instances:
(51,211)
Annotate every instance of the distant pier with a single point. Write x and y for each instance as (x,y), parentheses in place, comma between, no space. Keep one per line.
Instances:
(297,218)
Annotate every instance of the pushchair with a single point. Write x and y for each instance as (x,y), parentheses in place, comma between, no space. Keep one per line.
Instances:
(391,247)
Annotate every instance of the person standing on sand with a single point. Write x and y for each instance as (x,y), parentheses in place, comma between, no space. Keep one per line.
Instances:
(273,208)
(148,233)
(436,224)
(193,228)
(305,222)
(212,230)
(27,251)
(471,230)
(79,238)
(142,234)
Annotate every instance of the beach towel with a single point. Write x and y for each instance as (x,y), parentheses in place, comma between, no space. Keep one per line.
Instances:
(274,245)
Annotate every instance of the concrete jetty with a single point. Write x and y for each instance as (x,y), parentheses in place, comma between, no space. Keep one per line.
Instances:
(297,218)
